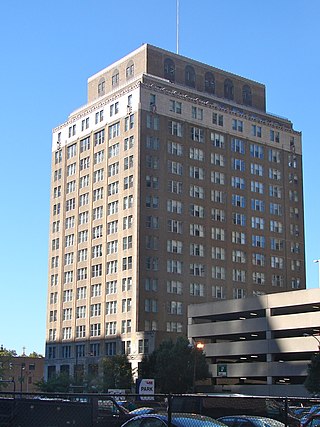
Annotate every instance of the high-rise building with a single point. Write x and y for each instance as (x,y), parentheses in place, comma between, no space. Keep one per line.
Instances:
(171,186)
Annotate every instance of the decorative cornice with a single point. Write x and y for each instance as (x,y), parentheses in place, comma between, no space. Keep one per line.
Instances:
(216,105)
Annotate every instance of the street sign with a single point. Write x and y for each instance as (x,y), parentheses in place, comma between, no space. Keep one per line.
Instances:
(221,370)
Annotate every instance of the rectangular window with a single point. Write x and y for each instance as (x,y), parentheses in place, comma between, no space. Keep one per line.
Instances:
(98,138)
(218,272)
(217,159)
(175,148)
(112,227)
(128,143)
(196,191)
(258,241)
(258,259)
(256,150)
(238,256)
(81,312)
(257,187)
(196,230)
(257,223)
(96,251)
(197,113)
(114,109)
(218,292)
(98,175)
(174,167)
(237,146)
(217,233)
(84,181)
(218,253)
(256,169)
(218,215)
(197,134)
(239,238)
(175,106)
(153,122)
(174,206)
(217,140)
(129,122)
(256,131)
(111,287)
(174,287)
(175,128)
(274,136)
(237,125)
(175,187)
(275,174)
(174,226)
(114,130)
(238,182)
(218,178)
(238,200)
(128,162)
(153,143)
(274,155)
(196,154)
(98,157)
(217,119)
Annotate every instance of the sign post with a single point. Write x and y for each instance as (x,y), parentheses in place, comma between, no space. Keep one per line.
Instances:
(145,387)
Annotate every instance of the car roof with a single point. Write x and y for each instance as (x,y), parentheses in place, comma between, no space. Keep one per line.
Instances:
(253,417)
(179,419)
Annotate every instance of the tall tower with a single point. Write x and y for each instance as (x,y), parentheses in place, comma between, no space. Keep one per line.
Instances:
(171,186)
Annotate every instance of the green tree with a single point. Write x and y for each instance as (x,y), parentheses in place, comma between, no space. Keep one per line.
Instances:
(175,366)
(6,357)
(58,383)
(312,382)
(35,355)
(117,372)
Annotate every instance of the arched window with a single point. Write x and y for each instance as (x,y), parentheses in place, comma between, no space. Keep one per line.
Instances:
(115,78)
(246,95)
(101,86)
(130,70)
(228,89)
(190,76)
(209,84)
(169,70)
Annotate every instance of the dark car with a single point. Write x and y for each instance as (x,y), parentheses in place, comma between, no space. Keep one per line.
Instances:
(250,421)
(110,413)
(177,420)
(312,421)
(143,410)
(315,409)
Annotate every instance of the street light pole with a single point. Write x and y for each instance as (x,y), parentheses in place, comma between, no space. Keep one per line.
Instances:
(198,346)
(22,367)
(317,261)
(314,336)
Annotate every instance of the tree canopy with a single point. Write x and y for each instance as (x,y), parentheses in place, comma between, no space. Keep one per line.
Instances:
(312,382)
(117,372)
(58,383)
(175,366)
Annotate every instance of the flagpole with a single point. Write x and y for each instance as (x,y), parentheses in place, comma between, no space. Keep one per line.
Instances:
(177,35)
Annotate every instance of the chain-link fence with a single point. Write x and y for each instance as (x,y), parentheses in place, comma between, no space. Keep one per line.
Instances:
(88,410)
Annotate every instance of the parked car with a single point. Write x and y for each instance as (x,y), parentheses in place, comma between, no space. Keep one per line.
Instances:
(110,413)
(250,421)
(315,409)
(143,410)
(312,421)
(177,420)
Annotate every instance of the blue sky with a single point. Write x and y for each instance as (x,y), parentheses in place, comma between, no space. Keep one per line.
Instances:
(49,49)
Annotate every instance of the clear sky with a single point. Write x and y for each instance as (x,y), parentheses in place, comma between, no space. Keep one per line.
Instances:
(48,49)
